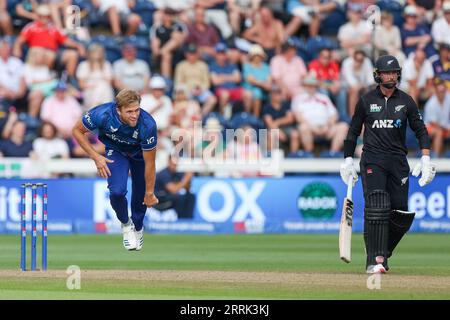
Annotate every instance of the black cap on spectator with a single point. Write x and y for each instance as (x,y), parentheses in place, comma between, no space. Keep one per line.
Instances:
(191,48)
(444,45)
(289,43)
(170,11)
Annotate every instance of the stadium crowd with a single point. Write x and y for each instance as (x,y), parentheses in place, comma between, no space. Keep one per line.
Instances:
(296,65)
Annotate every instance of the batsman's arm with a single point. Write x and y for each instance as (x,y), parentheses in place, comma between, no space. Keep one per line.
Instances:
(355,129)
(416,123)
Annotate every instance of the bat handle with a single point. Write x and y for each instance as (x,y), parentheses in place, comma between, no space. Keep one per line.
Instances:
(349,187)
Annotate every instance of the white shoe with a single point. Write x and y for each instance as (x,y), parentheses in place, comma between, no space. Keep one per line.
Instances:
(377,268)
(139,239)
(129,236)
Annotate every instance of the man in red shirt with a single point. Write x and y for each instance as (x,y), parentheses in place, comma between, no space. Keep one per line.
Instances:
(328,73)
(44,35)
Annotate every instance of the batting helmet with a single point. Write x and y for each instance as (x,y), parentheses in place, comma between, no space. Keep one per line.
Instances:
(386,63)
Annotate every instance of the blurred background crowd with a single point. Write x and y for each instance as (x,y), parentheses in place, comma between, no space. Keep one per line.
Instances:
(295,65)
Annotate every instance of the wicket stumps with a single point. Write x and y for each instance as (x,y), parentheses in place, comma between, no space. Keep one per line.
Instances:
(23,225)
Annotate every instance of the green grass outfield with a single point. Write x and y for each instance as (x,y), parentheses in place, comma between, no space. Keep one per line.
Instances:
(225,267)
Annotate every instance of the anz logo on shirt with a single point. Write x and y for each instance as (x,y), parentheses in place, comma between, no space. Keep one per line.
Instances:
(389,124)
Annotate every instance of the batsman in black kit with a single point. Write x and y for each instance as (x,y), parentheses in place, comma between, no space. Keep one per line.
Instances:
(385,112)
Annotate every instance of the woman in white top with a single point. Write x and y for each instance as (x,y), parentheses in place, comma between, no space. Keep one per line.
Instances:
(40,80)
(48,145)
(95,76)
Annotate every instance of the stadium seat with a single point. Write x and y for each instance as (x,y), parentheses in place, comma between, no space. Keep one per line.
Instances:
(331,154)
(111,45)
(395,8)
(300,154)
(142,45)
(244,118)
(315,44)
(218,116)
(145,10)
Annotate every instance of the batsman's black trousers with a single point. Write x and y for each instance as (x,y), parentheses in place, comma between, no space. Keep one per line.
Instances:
(389,173)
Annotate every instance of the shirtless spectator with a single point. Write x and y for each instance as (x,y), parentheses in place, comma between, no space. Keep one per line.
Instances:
(267,32)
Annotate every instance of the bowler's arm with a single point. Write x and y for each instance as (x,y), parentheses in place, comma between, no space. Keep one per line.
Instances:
(150,169)
(79,133)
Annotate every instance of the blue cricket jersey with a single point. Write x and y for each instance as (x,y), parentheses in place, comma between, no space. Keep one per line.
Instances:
(117,135)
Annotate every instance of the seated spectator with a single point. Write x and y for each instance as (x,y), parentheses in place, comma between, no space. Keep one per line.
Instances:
(26,10)
(244,149)
(287,70)
(32,124)
(5,19)
(414,34)
(59,12)
(357,77)
(267,31)
(417,76)
(278,115)
(437,115)
(157,103)
(327,72)
(356,33)
(62,110)
(48,145)
(226,78)
(77,151)
(15,144)
(216,13)
(387,38)
(242,12)
(310,13)
(130,72)
(317,117)
(167,39)
(186,111)
(441,63)
(257,80)
(119,15)
(428,10)
(44,35)
(194,73)
(95,77)
(13,89)
(180,7)
(202,34)
(440,30)
(40,80)
(172,189)
(213,144)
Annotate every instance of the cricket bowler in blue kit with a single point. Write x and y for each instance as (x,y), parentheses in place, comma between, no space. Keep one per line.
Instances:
(130,136)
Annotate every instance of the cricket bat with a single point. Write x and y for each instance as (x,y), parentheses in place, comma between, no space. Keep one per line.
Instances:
(345,228)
